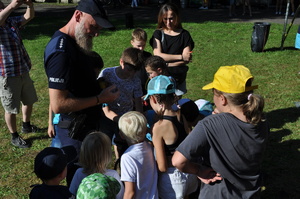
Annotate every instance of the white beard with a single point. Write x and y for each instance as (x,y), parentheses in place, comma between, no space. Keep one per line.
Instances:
(85,42)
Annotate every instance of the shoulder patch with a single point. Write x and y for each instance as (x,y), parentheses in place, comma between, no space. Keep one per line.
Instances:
(57,44)
(61,44)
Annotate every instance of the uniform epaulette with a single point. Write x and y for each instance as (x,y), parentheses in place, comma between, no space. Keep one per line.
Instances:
(57,44)
(60,43)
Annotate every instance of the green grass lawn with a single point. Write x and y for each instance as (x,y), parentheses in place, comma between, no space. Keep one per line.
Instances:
(216,44)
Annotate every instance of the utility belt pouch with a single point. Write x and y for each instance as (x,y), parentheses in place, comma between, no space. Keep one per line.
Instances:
(64,122)
(76,124)
(77,129)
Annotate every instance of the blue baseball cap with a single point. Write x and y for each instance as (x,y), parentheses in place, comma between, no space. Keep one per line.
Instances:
(160,85)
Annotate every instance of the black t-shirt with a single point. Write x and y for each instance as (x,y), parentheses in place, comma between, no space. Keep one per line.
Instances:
(69,68)
(43,191)
(232,148)
(173,44)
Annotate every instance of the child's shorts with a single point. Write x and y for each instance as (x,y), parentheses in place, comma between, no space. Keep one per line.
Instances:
(175,184)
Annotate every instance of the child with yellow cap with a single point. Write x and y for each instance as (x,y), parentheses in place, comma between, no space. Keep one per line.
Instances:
(230,143)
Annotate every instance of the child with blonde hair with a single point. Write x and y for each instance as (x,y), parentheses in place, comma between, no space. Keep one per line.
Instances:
(139,40)
(138,168)
(95,156)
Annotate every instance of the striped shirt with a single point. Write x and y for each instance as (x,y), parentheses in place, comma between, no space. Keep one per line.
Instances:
(14,60)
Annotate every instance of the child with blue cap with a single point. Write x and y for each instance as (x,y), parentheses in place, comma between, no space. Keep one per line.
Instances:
(167,134)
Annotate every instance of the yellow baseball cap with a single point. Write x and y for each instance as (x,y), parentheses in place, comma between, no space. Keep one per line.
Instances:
(231,79)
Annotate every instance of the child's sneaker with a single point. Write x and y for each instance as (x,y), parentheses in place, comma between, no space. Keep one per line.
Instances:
(19,142)
(31,129)
(203,8)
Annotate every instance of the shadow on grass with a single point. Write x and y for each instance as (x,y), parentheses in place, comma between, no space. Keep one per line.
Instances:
(278,118)
(281,166)
(41,134)
(279,49)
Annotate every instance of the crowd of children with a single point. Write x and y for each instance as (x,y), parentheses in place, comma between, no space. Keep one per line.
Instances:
(149,123)
(130,128)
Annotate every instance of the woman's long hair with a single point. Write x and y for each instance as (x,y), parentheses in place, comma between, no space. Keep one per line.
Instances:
(163,11)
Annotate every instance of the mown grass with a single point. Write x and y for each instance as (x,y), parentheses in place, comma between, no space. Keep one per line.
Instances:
(216,44)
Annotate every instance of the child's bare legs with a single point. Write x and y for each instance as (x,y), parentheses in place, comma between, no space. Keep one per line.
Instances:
(278,7)
(204,5)
(293,8)
(244,7)
(111,115)
(231,8)
(116,152)
(250,10)
(247,3)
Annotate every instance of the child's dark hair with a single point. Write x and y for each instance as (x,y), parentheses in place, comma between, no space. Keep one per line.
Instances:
(166,99)
(134,57)
(155,62)
(139,34)
(251,104)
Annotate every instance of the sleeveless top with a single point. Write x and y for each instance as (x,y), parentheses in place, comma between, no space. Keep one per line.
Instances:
(170,149)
